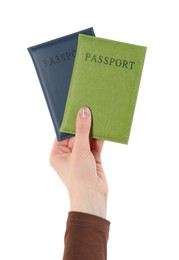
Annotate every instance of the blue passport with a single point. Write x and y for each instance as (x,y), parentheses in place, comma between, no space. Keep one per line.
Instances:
(53,61)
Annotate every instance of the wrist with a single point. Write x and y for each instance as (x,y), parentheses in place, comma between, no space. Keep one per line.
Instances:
(91,204)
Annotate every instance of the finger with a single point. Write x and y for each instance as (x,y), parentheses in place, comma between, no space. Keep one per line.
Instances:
(71,142)
(83,125)
(97,145)
(61,147)
(96,149)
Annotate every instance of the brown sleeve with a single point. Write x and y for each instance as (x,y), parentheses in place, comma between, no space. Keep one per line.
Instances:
(86,237)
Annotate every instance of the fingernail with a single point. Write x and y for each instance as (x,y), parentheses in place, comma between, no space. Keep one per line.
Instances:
(84,112)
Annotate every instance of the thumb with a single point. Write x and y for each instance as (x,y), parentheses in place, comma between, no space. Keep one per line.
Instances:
(83,125)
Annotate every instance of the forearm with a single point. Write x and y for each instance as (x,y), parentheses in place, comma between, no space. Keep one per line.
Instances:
(86,237)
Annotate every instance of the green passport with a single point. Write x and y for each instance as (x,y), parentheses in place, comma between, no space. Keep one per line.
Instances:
(106,77)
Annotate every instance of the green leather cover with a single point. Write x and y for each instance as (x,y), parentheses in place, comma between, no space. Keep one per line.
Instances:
(106,77)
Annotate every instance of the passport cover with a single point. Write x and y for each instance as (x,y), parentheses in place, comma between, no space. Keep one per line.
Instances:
(105,78)
(53,61)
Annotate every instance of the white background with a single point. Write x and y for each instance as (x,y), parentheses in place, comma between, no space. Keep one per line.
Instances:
(143,177)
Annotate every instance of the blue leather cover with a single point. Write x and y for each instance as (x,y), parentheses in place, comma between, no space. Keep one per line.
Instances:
(53,61)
